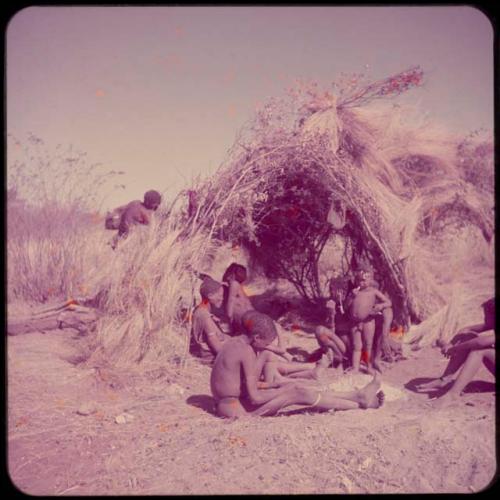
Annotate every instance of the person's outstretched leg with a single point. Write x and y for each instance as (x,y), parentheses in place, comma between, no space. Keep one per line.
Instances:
(469,369)
(367,397)
(456,361)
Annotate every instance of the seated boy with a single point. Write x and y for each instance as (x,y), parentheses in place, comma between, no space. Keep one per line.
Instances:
(237,369)
(205,330)
(238,304)
(362,310)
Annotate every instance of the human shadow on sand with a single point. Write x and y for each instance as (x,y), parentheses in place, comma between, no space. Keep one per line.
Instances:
(202,401)
(302,411)
(272,303)
(476,386)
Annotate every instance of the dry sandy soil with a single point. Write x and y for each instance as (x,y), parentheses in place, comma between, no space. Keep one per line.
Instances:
(171,443)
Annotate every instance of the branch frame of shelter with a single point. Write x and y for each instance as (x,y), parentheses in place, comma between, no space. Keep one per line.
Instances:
(334,143)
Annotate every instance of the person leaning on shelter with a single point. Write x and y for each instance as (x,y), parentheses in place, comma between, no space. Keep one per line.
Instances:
(135,212)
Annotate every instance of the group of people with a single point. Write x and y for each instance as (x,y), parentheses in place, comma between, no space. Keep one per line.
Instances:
(252,371)
(254,374)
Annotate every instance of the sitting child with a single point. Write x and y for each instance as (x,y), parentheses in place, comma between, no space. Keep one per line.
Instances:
(206,336)
(237,369)
(362,310)
(333,338)
(238,303)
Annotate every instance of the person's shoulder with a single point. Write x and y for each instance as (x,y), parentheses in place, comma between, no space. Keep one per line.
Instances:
(201,315)
(201,311)
(237,346)
(132,206)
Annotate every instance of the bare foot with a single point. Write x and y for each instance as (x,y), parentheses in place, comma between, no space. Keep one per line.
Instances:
(370,370)
(318,372)
(368,395)
(350,369)
(324,361)
(433,384)
(377,365)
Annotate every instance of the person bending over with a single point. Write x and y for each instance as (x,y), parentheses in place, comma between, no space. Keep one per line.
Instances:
(136,212)
(238,304)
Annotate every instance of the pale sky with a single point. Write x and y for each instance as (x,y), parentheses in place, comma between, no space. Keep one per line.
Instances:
(160,92)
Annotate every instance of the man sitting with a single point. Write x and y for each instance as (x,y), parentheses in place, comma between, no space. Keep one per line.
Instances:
(237,369)
(471,347)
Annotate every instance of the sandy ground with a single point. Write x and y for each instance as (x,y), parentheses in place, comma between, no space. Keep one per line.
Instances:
(170,443)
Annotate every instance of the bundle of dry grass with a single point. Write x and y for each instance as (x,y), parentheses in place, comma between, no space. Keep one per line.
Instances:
(400,181)
(147,294)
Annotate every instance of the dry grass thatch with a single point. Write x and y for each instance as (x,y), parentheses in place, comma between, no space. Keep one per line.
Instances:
(400,180)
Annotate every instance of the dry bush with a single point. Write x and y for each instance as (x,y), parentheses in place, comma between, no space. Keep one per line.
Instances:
(52,221)
(57,249)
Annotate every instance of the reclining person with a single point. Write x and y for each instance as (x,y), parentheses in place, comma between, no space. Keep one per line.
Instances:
(237,370)
(471,347)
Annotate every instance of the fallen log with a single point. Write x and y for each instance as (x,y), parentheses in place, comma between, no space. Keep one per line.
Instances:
(64,315)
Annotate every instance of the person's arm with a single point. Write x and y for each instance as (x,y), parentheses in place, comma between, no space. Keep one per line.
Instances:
(473,329)
(144,216)
(384,301)
(330,305)
(257,395)
(480,342)
(212,336)
(232,292)
(281,341)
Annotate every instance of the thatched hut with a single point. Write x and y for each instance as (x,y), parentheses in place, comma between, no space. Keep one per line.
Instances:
(310,172)
(382,183)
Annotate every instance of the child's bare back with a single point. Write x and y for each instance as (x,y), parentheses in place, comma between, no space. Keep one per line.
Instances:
(225,380)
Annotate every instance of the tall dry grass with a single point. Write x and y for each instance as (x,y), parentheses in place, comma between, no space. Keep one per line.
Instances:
(150,290)
(53,221)
(57,248)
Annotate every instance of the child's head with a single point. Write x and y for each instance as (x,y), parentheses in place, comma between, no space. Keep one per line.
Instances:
(260,328)
(212,291)
(236,271)
(338,287)
(364,278)
(152,199)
